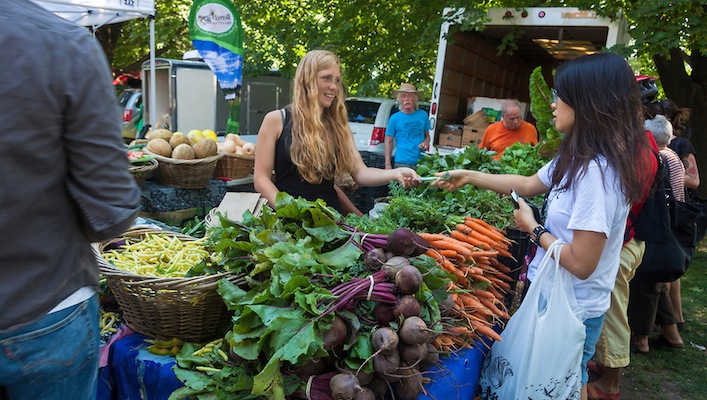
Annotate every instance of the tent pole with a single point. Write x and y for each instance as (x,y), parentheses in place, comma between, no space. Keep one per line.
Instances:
(153,84)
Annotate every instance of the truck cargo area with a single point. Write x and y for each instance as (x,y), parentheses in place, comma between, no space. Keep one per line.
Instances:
(469,64)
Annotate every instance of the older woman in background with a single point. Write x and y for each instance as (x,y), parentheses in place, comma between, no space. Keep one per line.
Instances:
(650,302)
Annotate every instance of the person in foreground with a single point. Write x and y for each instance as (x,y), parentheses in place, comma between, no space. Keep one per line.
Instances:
(409,128)
(65,183)
(309,143)
(509,130)
(591,181)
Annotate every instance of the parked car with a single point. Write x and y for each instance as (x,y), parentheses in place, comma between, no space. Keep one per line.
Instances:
(368,119)
(130,104)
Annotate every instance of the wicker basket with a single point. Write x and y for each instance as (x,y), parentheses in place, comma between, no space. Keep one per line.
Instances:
(138,141)
(186,174)
(186,308)
(144,171)
(234,166)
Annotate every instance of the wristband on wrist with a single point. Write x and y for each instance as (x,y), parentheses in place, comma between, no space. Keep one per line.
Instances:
(538,232)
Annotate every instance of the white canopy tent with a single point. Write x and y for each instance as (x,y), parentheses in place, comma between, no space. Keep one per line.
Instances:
(97,13)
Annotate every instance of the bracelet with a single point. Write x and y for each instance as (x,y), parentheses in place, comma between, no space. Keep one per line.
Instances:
(537,232)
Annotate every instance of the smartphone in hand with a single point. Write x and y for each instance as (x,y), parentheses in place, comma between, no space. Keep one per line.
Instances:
(514,198)
(536,212)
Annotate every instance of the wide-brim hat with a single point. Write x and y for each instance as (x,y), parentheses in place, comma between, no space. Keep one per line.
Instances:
(406,88)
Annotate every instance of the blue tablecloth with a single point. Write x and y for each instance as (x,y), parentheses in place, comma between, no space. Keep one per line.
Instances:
(133,373)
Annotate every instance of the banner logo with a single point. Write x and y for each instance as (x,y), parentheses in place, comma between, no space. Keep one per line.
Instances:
(214,18)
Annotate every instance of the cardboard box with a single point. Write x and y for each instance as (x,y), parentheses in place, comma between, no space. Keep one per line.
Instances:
(451,136)
(472,135)
(474,118)
(450,139)
(234,204)
(493,106)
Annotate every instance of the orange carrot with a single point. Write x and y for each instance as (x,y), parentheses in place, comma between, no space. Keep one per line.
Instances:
(480,236)
(430,237)
(493,234)
(486,331)
(485,253)
(492,306)
(474,270)
(485,224)
(483,294)
(470,301)
(487,228)
(448,253)
(499,283)
(450,245)
(504,253)
(462,233)
(502,267)
(452,269)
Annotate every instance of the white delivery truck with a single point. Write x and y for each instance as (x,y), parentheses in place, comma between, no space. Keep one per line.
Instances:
(188,96)
(470,67)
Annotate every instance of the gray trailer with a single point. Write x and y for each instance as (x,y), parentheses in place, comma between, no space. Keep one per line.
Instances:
(188,96)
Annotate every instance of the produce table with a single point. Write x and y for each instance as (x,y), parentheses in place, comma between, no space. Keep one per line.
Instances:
(133,373)
(160,198)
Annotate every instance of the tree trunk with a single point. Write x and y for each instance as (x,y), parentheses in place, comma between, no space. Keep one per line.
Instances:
(689,91)
(109,36)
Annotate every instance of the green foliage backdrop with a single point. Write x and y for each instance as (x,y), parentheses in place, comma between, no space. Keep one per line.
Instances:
(383,43)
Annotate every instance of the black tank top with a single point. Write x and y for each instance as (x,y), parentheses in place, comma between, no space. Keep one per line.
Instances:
(288,178)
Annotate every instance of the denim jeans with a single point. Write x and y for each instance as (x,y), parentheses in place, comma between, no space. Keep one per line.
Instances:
(593,330)
(55,358)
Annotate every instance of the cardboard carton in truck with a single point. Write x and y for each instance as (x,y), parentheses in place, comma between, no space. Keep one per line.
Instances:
(469,67)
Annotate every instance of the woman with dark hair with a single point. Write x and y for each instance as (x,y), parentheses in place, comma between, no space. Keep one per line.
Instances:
(680,144)
(591,182)
(309,143)
(680,120)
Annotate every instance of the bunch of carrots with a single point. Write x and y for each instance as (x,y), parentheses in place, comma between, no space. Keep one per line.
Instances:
(470,252)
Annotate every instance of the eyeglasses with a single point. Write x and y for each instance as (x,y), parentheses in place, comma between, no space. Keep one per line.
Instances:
(555,96)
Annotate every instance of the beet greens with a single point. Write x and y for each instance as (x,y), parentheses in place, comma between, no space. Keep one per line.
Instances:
(305,271)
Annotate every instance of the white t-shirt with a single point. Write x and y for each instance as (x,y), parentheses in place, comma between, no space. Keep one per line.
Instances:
(594,203)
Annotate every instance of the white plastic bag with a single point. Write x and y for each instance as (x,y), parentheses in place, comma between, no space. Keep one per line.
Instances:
(540,353)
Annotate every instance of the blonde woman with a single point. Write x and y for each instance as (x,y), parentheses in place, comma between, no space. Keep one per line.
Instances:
(308,144)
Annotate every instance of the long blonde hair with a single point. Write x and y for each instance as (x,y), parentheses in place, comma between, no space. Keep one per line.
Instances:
(322,145)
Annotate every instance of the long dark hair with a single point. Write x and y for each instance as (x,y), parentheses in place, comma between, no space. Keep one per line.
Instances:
(679,117)
(608,121)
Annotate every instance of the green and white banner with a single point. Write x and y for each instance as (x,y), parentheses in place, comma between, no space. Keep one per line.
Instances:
(216,33)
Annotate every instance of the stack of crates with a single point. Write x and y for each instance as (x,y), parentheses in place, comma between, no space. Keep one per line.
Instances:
(364,197)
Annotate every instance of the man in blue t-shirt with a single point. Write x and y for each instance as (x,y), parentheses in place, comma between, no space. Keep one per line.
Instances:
(409,127)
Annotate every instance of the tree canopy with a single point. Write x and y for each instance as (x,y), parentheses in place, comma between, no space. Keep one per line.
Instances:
(382,44)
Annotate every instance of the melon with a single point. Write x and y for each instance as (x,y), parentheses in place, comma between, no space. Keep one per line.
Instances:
(176,140)
(160,147)
(160,134)
(183,152)
(205,148)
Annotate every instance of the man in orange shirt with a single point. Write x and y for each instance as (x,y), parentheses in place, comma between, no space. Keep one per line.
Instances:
(510,129)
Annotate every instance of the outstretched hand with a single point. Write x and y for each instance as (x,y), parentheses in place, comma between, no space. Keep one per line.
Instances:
(450,180)
(408,177)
